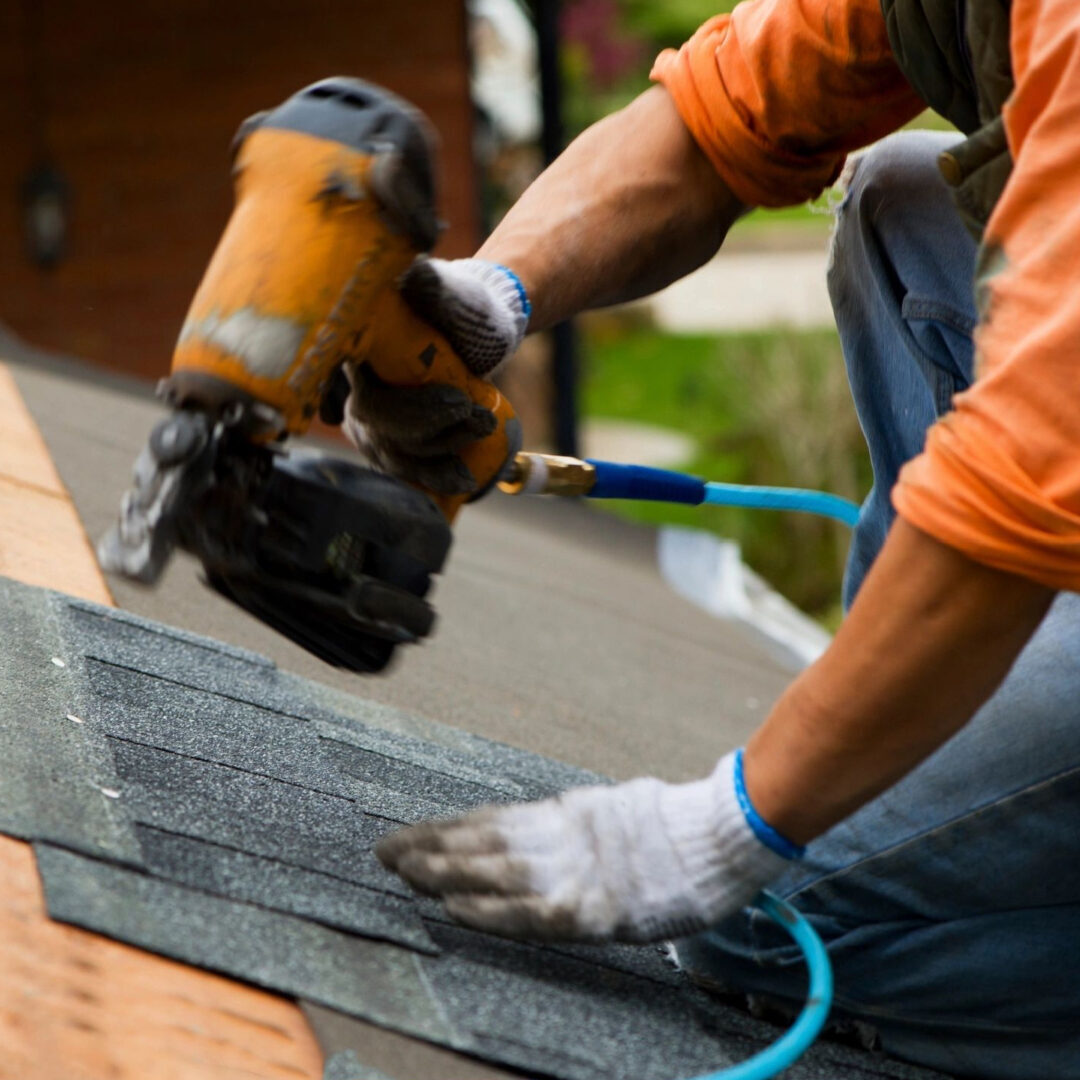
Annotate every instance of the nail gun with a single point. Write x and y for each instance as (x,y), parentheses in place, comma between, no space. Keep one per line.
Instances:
(334,200)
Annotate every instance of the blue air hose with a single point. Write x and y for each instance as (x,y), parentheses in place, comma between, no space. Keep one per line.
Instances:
(546,474)
(776,498)
(615,481)
(798,1038)
(542,474)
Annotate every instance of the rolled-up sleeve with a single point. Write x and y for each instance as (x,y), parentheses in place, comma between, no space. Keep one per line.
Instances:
(779,91)
(1000,476)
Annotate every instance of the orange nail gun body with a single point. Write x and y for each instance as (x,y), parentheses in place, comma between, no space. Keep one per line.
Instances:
(334,199)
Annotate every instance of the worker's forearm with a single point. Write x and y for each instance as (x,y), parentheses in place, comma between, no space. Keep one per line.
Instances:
(929,638)
(631,205)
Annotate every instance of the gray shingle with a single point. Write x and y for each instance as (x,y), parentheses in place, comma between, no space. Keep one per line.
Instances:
(271,883)
(435,758)
(236,835)
(452,795)
(254,813)
(56,776)
(206,725)
(282,952)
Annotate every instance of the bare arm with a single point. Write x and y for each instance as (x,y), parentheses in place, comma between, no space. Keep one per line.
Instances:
(929,638)
(630,206)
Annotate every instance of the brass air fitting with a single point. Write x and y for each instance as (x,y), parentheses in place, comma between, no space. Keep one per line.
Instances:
(547,474)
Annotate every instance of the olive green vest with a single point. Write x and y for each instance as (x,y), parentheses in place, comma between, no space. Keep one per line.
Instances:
(955,53)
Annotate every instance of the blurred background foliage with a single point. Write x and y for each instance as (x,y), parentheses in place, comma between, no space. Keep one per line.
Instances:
(768,407)
(609,46)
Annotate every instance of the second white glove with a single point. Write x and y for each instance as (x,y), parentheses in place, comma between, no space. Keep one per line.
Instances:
(641,861)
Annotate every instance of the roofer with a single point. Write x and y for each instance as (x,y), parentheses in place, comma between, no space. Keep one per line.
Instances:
(949,896)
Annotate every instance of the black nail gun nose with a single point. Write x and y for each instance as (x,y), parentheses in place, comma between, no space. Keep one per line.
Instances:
(334,199)
(333,555)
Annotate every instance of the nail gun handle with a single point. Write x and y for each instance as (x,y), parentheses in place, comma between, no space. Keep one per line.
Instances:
(406,351)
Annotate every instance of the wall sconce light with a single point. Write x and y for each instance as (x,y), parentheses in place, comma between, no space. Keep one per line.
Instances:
(45,201)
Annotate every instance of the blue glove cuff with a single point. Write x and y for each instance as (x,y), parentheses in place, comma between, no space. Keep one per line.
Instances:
(523,296)
(773,840)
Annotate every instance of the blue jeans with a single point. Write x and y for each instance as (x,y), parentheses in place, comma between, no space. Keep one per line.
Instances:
(950,905)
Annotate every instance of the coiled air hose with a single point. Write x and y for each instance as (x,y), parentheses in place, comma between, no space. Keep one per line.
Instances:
(546,474)
(800,1036)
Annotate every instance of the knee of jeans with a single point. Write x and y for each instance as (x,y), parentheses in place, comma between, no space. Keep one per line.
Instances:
(880,187)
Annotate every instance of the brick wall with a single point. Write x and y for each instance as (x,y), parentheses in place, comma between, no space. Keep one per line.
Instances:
(136,102)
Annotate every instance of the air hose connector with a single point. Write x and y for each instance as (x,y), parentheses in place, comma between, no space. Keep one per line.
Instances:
(547,474)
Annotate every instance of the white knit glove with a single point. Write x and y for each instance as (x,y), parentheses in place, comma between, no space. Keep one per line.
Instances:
(641,861)
(480,307)
(416,434)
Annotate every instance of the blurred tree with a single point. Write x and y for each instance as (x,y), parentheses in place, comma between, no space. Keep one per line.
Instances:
(608,47)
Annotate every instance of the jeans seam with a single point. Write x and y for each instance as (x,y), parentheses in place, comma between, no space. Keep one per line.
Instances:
(952,379)
(871,246)
(936,830)
(941,394)
(912,307)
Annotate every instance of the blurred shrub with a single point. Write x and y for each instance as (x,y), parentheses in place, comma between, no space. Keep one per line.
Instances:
(763,408)
(608,47)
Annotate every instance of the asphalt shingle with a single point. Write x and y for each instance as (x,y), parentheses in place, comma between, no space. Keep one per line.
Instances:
(56,775)
(204,806)
(345,1065)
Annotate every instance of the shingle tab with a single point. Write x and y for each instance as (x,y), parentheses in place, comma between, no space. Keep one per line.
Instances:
(56,774)
(253,812)
(204,805)
(271,883)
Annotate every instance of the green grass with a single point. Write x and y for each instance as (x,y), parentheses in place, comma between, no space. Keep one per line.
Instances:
(762,408)
(814,216)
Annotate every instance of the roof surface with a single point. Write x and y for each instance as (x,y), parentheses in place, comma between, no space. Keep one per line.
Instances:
(556,631)
(187,797)
(191,798)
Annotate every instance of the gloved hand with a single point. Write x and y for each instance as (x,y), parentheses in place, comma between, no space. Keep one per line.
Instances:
(641,861)
(416,433)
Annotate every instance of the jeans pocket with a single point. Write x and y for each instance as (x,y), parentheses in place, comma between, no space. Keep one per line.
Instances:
(943,334)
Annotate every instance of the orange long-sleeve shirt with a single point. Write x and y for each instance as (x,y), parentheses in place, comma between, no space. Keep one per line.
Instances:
(779,91)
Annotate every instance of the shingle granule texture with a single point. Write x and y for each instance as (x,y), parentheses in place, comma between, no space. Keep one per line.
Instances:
(188,798)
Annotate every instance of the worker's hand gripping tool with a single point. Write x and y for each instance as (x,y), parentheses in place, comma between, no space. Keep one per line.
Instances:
(334,199)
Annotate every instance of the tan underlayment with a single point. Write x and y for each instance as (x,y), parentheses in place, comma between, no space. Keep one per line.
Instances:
(74,1005)
(42,541)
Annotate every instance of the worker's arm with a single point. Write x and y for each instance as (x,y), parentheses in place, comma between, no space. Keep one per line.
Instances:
(648,194)
(758,109)
(929,638)
(631,205)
